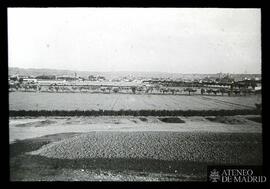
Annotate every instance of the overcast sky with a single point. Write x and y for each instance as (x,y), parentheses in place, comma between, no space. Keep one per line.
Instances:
(136,39)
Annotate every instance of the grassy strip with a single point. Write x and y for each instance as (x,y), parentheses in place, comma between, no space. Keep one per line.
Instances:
(36,113)
(37,168)
(20,147)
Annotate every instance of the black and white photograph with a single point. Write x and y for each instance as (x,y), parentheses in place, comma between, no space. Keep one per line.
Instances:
(134,94)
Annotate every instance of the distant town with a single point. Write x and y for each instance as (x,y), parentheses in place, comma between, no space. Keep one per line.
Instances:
(204,84)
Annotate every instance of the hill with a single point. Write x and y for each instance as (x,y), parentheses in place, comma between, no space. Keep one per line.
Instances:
(110,75)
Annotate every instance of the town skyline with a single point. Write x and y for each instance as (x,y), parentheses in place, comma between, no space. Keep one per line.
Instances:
(129,71)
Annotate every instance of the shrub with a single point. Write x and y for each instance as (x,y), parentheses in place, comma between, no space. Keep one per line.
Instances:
(172,120)
(35,113)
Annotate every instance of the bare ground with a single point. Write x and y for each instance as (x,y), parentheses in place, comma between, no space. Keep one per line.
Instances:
(130,148)
(134,156)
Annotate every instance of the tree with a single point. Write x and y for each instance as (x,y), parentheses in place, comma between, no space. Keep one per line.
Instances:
(189,90)
(209,91)
(21,80)
(109,89)
(103,89)
(236,91)
(193,90)
(232,88)
(116,90)
(222,90)
(253,85)
(215,91)
(133,89)
(202,91)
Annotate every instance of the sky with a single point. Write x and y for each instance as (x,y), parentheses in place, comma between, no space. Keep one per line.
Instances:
(174,40)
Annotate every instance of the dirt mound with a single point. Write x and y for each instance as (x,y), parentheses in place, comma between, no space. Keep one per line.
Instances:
(171,120)
(37,123)
(167,146)
(227,119)
(143,119)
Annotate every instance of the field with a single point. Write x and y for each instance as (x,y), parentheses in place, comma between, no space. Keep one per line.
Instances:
(130,148)
(84,101)
(161,144)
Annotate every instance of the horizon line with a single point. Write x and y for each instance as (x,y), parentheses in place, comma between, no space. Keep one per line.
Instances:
(56,69)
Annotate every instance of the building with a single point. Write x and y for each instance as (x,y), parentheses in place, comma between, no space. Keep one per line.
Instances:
(29,80)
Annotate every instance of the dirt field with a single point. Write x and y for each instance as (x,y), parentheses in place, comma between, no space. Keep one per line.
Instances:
(24,128)
(82,101)
(130,148)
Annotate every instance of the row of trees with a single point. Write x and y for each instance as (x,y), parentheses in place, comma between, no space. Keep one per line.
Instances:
(15,113)
(226,81)
(136,89)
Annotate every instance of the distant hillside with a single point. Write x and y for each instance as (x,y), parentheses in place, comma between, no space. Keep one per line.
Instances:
(110,75)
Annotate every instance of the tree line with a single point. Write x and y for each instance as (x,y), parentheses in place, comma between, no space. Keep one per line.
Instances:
(35,113)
